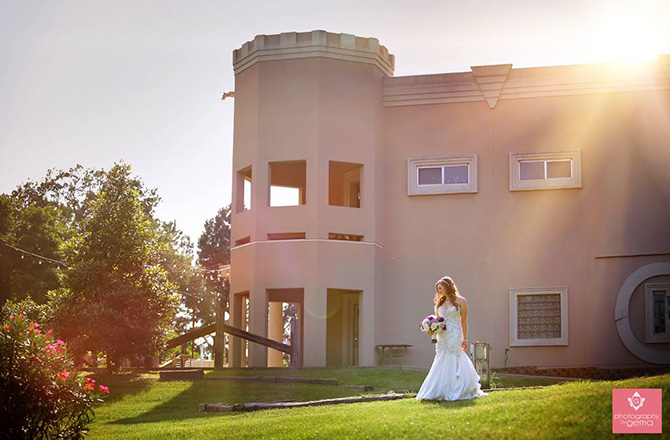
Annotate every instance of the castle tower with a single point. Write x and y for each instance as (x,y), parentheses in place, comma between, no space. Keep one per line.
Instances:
(307,161)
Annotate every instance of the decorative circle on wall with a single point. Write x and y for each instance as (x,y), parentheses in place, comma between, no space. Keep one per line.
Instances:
(621,313)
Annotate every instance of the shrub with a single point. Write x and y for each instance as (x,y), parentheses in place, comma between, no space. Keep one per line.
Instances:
(42,395)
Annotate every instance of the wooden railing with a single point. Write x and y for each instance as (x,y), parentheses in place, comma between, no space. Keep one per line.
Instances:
(292,350)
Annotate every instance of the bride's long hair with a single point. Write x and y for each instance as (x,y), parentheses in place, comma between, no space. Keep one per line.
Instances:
(450,288)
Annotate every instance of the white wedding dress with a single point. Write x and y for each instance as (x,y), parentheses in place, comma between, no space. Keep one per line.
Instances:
(452,375)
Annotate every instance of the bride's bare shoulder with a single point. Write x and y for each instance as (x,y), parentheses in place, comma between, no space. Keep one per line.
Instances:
(460,300)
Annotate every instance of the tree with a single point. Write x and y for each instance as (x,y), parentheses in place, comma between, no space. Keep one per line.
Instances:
(39,229)
(214,243)
(177,259)
(214,251)
(40,217)
(116,296)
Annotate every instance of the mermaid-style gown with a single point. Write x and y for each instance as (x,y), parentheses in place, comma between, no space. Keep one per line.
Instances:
(452,376)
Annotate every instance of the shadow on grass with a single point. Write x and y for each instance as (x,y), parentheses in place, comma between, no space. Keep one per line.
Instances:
(184,405)
(122,385)
(446,404)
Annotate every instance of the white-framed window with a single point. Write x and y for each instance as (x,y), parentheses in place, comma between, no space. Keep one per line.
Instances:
(538,316)
(545,170)
(441,175)
(657,308)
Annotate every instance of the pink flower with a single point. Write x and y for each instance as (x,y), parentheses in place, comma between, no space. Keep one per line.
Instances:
(37,332)
(60,342)
(62,375)
(89,385)
(50,331)
(35,325)
(103,388)
(11,317)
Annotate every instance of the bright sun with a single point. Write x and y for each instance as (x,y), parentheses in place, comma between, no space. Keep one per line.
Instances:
(631,31)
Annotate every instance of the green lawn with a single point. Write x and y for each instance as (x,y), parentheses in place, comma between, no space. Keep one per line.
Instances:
(140,407)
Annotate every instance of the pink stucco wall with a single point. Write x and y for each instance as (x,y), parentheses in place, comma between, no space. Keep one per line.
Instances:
(590,239)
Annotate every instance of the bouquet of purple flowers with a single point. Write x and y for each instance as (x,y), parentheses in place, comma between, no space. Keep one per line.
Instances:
(432,325)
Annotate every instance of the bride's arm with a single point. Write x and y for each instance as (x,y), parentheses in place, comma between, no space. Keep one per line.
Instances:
(464,323)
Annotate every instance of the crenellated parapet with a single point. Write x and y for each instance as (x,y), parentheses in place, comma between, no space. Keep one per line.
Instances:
(294,45)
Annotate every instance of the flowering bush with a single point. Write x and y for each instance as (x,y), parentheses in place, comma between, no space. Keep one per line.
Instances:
(42,395)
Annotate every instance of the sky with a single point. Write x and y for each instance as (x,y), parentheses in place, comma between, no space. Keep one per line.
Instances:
(95,82)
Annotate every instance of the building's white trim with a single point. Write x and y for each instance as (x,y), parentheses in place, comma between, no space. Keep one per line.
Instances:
(311,240)
(413,165)
(621,318)
(516,184)
(501,82)
(513,313)
(650,337)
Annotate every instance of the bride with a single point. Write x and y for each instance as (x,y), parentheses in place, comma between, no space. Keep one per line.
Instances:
(452,376)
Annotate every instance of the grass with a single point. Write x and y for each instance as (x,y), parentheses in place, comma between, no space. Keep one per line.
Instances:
(140,407)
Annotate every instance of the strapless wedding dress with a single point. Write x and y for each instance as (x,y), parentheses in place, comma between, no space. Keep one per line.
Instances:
(452,375)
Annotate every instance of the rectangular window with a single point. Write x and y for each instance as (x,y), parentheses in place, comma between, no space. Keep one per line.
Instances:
(288,183)
(446,175)
(430,176)
(553,170)
(455,174)
(287,236)
(244,187)
(545,169)
(539,316)
(657,305)
(344,184)
(243,240)
(344,237)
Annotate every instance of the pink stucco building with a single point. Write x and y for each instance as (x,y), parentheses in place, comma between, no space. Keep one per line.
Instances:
(544,192)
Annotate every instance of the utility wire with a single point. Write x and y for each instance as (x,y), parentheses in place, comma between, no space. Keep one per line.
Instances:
(51,260)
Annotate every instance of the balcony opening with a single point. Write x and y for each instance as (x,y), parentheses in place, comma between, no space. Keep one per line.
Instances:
(344,237)
(288,182)
(243,240)
(344,184)
(243,190)
(287,236)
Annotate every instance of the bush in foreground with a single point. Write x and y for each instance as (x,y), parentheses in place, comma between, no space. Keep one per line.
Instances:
(42,395)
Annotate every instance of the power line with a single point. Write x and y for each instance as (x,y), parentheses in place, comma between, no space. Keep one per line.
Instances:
(23,251)
(200,270)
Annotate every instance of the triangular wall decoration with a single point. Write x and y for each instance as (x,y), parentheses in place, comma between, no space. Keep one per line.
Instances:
(490,80)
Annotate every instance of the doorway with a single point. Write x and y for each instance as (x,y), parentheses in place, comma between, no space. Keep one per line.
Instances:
(343,328)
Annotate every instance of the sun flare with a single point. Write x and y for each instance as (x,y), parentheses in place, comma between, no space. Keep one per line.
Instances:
(630,32)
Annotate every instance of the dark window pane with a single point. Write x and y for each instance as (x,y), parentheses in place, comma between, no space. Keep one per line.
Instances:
(559,169)
(531,170)
(455,174)
(659,313)
(430,176)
